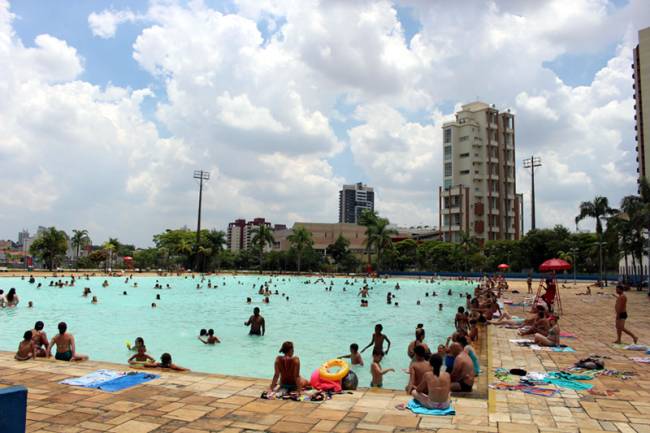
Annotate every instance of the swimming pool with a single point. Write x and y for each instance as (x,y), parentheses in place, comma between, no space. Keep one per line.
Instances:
(321,323)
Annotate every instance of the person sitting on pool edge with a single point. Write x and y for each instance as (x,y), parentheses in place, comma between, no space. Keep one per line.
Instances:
(65,346)
(434,389)
(166,362)
(419,366)
(256,322)
(462,375)
(210,338)
(287,371)
(26,348)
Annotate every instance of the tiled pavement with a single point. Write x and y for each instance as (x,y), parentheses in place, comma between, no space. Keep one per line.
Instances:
(193,402)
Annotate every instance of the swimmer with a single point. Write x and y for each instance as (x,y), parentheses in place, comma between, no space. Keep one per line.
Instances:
(377,339)
(124,293)
(249,300)
(30,304)
(354,356)
(94,300)
(439,307)
(376,371)
(211,338)
(256,323)
(158,297)
(166,362)
(141,356)
(153,305)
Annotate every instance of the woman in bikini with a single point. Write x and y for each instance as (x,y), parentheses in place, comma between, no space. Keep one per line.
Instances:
(552,338)
(287,371)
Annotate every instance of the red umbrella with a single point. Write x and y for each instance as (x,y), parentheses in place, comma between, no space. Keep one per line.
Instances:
(503,266)
(554,265)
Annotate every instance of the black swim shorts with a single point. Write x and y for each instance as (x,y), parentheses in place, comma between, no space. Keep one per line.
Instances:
(622,316)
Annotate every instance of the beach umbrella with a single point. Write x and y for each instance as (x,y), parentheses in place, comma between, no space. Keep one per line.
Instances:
(503,266)
(554,265)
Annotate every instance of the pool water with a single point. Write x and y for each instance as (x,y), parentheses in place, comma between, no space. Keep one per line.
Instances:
(321,323)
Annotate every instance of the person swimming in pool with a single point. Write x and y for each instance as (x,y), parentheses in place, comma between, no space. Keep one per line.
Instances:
(210,338)
(65,346)
(287,371)
(377,371)
(256,322)
(166,362)
(141,356)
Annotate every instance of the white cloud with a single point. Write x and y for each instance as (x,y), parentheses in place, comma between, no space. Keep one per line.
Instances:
(104,24)
(263,110)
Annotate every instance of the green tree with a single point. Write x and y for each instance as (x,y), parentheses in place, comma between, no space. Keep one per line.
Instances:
(262,237)
(50,246)
(469,244)
(380,237)
(79,240)
(217,240)
(339,249)
(599,210)
(300,240)
(368,219)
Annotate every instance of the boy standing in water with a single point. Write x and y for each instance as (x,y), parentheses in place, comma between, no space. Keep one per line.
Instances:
(376,371)
(256,322)
(378,340)
(354,356)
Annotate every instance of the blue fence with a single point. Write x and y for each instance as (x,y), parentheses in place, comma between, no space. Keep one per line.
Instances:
(512,275)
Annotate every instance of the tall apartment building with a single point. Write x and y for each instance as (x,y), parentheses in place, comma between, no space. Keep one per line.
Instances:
(479,194)
(241,232)
(353,200)
(641,86)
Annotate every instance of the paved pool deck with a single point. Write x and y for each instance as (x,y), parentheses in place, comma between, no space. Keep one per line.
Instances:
(195,402)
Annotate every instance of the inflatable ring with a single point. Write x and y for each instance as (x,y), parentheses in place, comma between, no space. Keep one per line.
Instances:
(324,372)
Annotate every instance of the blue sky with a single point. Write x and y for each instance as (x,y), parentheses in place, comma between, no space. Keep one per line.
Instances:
(380,94)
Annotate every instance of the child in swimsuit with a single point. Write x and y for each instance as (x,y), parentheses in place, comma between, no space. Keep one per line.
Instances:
(26,348)
(141,357)
(166,362)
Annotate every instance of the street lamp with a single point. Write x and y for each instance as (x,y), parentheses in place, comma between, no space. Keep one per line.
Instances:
(600,260)
(573,252)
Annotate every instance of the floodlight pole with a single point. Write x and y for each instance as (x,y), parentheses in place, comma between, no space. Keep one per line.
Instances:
(531,163)
(201,176)
(574,252)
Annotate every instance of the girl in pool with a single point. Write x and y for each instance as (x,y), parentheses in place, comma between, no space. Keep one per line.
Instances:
(12,299)
(166,362)
(141,357)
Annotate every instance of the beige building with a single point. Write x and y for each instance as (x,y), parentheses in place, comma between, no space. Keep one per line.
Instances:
(641,78)
(325,234)
(479,195)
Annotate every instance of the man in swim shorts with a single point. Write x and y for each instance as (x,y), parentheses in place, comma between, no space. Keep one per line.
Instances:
(65,346)
(621,315)
(256,322)
(462,375)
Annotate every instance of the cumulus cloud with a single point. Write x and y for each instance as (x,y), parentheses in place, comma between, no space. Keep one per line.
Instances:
(268,94)
(104,24)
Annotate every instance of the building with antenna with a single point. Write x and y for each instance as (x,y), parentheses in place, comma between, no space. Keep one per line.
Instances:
(479,196)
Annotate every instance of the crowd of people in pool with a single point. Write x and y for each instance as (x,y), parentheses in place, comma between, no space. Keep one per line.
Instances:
(431,375)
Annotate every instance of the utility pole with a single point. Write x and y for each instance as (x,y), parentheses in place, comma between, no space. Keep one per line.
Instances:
(532,162)
(201,176)
(574,251)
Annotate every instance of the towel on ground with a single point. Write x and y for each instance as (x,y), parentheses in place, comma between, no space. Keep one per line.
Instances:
(639,347)
(565,334)
(126,381)
(92,380)
(644,360)
(415,407)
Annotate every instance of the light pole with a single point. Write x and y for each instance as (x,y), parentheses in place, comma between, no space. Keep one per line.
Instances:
(600,260)
(532,162)
(574,251)
(201,176)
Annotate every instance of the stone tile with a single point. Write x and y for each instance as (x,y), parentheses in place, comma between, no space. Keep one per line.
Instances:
(134,427)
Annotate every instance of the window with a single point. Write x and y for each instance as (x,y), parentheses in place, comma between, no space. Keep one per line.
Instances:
(447,169)
(462,172)
(464,155)
(447,183)
(464,138)
(447,153)
(447,135)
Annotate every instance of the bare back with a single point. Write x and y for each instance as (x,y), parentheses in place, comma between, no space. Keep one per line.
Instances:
(436,387)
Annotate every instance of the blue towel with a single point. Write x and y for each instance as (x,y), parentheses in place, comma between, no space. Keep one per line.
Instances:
(563,349)
(126,381)
(415,407)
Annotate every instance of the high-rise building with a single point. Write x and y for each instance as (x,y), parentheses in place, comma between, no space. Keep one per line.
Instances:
(641,85)
(240,232)
(353,200)
(22,235)
(479,195)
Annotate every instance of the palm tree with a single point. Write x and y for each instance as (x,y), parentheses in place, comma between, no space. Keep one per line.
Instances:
(368,219)
(217,240)
(468,243)
(184,248)
(79,239)
(598,209)
(262,237)
(300,239)
(380,237)
(50,246)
